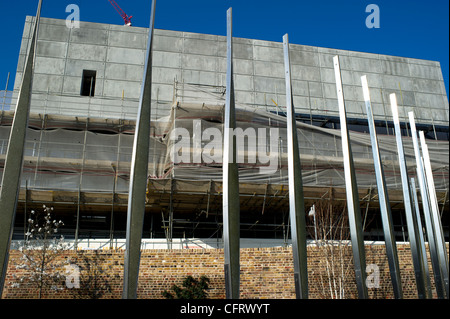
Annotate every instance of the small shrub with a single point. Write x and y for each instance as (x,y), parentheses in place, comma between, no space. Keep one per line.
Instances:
(193,289)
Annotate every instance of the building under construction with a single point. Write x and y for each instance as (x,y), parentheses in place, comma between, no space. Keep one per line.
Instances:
(85,97)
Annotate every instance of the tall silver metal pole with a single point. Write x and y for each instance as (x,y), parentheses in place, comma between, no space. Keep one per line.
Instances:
(440,241)
(138,176)
(231,207)
(296,198)
(9,192)
(421,239)
(383,198)
(426,210)
(411,220)
(353,207)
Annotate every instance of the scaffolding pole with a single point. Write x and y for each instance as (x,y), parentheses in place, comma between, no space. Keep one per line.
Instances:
(383,198)
(231,209)
(10,187)
(138,176)
(353,207)
(296,198)
(426,211)
(411,219)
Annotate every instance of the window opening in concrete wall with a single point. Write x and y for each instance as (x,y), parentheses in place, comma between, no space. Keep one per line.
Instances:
(88,83)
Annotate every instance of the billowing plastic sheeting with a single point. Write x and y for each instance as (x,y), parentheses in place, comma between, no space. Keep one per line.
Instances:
(186,145)
(320,150)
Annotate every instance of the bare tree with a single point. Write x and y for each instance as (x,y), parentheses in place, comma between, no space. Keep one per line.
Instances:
(328,225)
(40,265)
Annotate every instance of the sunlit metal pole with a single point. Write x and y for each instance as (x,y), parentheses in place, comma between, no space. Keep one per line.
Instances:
(353,207)
(440,241)
(296,198)
(426,210)
(138,176)
(12,171)
(231,209)
(411,220)
(421,239)
(383,198)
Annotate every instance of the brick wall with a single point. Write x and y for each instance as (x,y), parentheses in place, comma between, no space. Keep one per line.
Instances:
(265,272)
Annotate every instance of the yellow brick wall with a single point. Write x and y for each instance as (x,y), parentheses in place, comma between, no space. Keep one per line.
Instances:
(265,273)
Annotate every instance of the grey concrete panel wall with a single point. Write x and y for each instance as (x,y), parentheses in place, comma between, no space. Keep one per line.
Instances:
(117,53)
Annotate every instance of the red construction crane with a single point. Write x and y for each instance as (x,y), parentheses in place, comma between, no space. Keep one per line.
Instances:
(124,16)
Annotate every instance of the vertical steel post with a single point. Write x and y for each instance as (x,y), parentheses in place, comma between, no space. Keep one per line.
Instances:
(383,198)
(296,198)
(353,206)
(231,209)
(12,171)
(411,219)
(426,210)
(138,175)
(421,239)
(440,241)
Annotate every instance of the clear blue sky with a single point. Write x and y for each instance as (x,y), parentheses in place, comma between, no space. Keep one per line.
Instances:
(417,29)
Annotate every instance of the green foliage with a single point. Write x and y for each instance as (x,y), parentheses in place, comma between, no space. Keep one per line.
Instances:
(193,289)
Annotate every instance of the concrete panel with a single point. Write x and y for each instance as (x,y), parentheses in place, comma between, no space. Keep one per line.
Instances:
(243,83)
(199,77)
(264,53)
(374,80)
(303,57)
(395,68)
(301,103)
(315,89)
(44,82)
(427,86)
(396,82)
(269,69)
(164,75)
(124,72)
(242,66)
(329,90)
(243,97)
(46,65)
(366,65)
(72,85)
(378,109)
(300,88)
(326,60)
(197,62)
(128,40)
(162,92)
(269,85)
(87,52)
(167,43)
(202,47)
(53,32)
(303,72)
(51,49)
(166,59)
(242,51)
(423,71)
(89,36)
(425,100)
(114,88)
(76,67)
(125,55)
